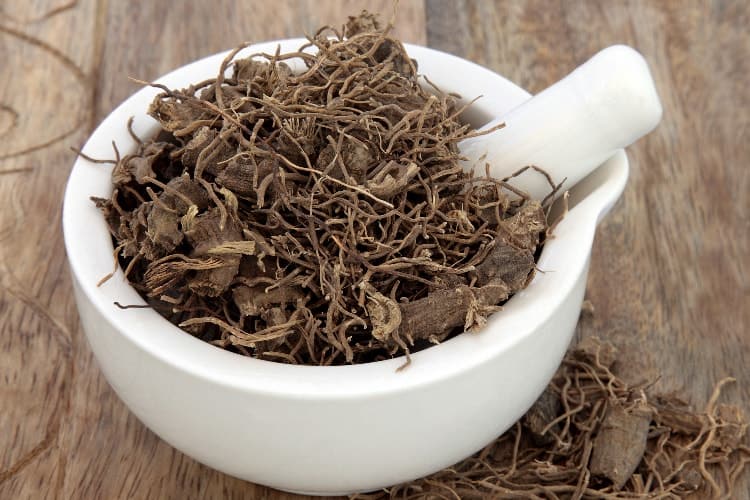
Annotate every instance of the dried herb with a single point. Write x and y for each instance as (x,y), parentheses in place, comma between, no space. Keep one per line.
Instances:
(591,435)
(311,217)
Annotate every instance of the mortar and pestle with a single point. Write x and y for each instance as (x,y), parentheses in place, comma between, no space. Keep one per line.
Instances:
(342,429)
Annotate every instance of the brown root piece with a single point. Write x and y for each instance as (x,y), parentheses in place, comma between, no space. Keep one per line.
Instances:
(139,166)
(363,23)
(205,236)
(593,351)
(239,175)
(349,161)
(171,115)
(182,192)
(443,310)
(620,443)
(202,139)
(164,228)
(507,263)
(384,313)
(539,417)
(251,301)
(734,429)
(527,225)
(393,179)
(447,280)
(274,317)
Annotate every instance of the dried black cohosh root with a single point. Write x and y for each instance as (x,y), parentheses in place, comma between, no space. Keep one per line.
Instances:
(316,217)
(592,436)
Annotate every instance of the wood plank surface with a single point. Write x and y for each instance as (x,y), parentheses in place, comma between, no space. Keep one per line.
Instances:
(669,271)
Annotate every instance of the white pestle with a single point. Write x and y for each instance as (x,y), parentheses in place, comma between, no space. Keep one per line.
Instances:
(572,127)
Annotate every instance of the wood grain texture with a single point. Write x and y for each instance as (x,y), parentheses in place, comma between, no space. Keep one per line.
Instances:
(670,265)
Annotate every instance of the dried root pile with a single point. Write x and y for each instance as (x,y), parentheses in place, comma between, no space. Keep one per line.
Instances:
(592,436)
(318,216)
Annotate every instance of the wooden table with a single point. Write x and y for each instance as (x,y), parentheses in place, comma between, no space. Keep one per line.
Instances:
(670,264)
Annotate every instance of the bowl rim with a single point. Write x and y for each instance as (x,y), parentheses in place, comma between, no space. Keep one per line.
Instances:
(82,224)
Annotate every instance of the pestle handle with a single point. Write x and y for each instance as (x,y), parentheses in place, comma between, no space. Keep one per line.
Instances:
(572,127)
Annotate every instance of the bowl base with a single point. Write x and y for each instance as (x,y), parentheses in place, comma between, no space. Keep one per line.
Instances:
(339,493)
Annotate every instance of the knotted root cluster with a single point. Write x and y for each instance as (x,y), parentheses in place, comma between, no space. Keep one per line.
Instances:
(321,215)
(593,436)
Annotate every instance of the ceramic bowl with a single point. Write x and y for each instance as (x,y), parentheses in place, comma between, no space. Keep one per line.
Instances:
(342,429)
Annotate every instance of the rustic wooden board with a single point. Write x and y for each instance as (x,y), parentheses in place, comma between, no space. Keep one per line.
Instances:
(670,265)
